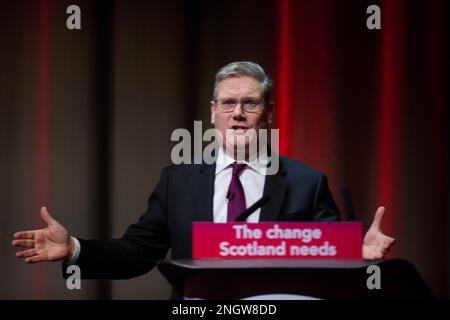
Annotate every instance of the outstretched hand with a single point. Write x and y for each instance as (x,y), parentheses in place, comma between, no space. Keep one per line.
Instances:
(376,244)
(52,243)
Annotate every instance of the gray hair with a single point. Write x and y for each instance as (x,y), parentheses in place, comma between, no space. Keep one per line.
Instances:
(244,68)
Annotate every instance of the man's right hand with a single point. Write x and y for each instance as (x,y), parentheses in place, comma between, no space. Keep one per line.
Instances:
(52,243)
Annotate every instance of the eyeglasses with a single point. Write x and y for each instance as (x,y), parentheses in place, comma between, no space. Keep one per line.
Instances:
(249,105)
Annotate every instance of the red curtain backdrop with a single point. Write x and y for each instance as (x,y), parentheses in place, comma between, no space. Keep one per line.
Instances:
(42,135)
(367,108)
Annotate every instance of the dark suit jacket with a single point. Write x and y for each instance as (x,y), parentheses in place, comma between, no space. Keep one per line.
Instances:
(185,194)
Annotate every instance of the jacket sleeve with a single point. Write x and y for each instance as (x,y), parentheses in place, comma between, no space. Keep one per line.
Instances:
(136,253)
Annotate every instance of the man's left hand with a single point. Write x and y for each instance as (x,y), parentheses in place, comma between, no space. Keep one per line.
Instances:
(376,244)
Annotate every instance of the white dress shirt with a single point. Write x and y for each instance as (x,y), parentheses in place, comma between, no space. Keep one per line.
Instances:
(252,179)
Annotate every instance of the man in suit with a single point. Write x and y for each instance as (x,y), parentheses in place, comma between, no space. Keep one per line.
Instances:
(201,192)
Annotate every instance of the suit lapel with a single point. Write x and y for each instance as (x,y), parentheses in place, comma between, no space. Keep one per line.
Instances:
(275,187)
(205,192)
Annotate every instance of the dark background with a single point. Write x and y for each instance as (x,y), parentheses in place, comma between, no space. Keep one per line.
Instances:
(86,116)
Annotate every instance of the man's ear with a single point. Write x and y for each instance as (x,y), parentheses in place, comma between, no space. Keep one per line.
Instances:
(213,111)
(270,112)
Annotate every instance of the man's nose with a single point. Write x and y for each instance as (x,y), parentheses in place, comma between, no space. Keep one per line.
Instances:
(238,111)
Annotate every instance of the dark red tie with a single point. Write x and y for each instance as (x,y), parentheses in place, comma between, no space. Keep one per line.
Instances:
(236,196)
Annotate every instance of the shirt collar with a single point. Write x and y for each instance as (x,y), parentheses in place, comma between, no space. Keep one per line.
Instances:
(224,161)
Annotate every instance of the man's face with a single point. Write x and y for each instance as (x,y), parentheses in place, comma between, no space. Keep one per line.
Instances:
(238,122)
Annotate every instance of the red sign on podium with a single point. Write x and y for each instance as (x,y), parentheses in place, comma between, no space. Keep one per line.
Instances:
(277,240)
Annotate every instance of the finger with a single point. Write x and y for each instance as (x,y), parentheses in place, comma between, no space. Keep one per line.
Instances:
(45,215)
(34,259)
(26,253)
(378,218)
(25,234)
(379,253)
(23,243)
(376,255)
(388,242)
(383,249)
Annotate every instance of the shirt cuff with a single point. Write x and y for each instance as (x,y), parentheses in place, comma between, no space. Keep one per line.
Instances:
(76,251)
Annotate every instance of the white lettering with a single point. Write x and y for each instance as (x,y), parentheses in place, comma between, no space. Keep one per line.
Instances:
(74,20)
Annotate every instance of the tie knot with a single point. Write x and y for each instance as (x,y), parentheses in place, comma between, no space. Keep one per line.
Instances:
(237,168)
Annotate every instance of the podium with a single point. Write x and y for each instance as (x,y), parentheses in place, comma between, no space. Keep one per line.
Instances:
(322,279)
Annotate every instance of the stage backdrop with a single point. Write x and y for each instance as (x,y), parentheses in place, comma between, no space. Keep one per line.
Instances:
(86,115)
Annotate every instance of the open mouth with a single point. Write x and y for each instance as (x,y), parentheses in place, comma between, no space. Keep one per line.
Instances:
(239,129)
